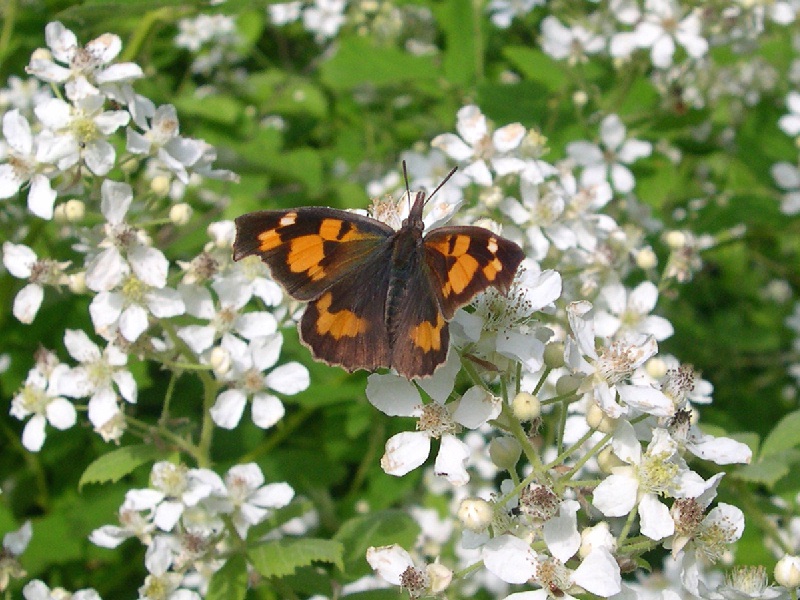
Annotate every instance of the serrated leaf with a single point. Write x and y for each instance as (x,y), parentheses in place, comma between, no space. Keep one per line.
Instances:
(280,558)
(118,463)
(376,529)
(785,435)
(230,582)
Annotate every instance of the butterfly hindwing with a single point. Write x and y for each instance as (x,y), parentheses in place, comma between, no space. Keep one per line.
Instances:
(420,336)
(309,249)
(464,261)
(346,325)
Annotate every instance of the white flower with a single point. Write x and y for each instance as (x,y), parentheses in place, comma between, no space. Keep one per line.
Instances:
(22,166)
(790,124)
(195,32)
(659,471)
(659,28)
(396,566)
(131,289)
(571,43)
(174,489)
(475,145)
(324,18)
(22,262)
(396,396)
(162,141)
(787,176)
(249,499)
(224,320)
(249,361)
(608,163)
(611,366)
(284,12)
(79,131)
(97,377)
(40,399)
(628,313)
(38,590)
(86,67)
(504,11)
(504,324)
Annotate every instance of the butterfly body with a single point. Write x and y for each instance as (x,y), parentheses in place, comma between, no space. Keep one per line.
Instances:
(377,297)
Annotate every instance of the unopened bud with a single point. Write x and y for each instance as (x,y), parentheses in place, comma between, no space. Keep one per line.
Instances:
(439,578)
(526,407)
(599,420)
(607,460)
(160,185)
(675,239)
(656,367)
(475,514)
(554,355)
(568,384)
(505,452)
(598,536)
(787,571)
(220,360)
(646,259)
(180,214)
(77,283)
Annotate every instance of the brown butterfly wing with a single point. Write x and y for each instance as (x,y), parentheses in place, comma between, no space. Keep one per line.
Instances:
(310,249)
(463,261)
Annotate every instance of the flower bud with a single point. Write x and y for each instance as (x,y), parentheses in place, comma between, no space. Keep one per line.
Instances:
(599,420)
(787,571)
(180,214)
(70,211)
(505,452)
(567,384)
(220,360)
(646,259)
(160,185)
(475,514)
(607,460)
(554,355)
(675,239)
(439,578)
(42,54)
(526,407)
(656,367)
(77,283)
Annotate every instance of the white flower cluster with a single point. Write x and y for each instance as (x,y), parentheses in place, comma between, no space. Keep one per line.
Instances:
(62,152)
(181,519)
(565,373)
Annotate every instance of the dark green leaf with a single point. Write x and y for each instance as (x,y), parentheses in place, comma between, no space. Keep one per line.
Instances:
(230,582)
(118,463)
(279,558)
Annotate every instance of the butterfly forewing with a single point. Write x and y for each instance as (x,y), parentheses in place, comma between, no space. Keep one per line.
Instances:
(464,261)
(309,249)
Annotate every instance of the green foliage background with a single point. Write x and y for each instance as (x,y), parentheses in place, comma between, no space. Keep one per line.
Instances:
(349,113)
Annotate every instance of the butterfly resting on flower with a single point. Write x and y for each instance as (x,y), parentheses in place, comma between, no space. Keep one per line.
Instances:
(376,297)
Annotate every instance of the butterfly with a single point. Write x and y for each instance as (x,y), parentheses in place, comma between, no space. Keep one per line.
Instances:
(376,297)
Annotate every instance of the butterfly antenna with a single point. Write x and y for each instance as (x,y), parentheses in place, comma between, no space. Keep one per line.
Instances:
(438,187)
(408,189)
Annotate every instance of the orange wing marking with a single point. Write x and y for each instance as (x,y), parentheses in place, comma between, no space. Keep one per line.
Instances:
(344,323)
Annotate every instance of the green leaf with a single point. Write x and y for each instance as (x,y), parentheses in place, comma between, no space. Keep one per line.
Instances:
(785,435)
(280,558)
(380,528)
(230,582)
(458,21)
(358,61)
(221,109)
(770,470)
(536,66)
(118,463)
